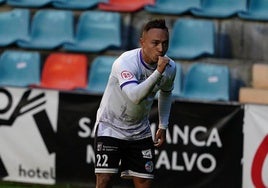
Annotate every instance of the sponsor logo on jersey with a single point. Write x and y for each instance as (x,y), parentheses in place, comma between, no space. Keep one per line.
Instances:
(147,154)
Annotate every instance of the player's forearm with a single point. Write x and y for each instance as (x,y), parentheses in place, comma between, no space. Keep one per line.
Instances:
(136,93)
(164,105)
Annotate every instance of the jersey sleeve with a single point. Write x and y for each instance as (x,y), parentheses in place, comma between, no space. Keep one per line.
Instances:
(165,96)
(125,73)
(129,84)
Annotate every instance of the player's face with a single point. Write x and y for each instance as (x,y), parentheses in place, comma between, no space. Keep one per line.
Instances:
(154,43)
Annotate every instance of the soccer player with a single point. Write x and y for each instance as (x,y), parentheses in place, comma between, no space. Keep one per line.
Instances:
(123,136)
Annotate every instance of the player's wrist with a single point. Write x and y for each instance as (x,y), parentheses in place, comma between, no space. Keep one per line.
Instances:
(164,127)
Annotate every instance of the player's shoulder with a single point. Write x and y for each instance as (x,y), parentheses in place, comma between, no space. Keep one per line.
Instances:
(128,56)
(172,64)
(130,53)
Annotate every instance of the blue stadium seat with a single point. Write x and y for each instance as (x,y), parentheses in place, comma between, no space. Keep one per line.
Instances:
(99,73)
(220,8)
(76,4)
(19,68)
(257,10)
(14,26)
(175,7)
(207,82)
(28,3)
(49,29)
(96,31)
(192,38)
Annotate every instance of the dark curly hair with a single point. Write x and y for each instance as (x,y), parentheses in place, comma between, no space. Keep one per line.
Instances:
(156,23)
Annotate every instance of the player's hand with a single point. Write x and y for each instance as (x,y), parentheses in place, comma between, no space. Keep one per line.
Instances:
(162,63)
(160,137)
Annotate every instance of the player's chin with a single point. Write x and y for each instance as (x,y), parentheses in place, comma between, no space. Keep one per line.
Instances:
(155,59)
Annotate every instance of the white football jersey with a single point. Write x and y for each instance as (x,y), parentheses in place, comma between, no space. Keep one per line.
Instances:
(117,115)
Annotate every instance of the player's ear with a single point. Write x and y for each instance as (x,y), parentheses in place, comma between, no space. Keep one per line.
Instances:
(141,41)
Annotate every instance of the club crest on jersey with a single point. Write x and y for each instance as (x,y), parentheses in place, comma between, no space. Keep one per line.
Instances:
(126,75)
(149,166)
(99,146)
